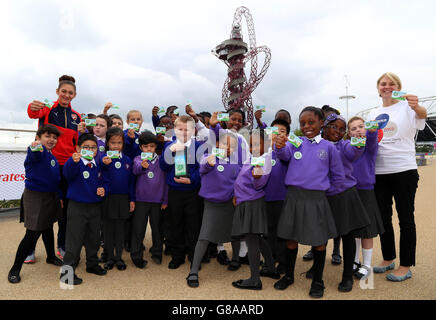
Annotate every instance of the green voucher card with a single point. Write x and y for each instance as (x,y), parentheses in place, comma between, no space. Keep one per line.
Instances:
(180,166)
(87,154)
(358,142)
(295,140)
(36,148)
(146,156)
(223,117)
(219,153)
(90,122)
(258,161)
(113,154)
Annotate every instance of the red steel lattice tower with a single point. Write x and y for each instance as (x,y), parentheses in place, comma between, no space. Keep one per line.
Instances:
(235,53)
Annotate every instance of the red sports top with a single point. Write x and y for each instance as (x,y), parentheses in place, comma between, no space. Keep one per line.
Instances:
(66,120)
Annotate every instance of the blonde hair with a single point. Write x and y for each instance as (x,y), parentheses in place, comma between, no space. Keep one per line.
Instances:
(133,111)
(184,119)
(392,76)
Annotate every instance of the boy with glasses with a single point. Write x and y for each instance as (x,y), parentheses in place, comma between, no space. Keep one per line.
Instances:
(86,191)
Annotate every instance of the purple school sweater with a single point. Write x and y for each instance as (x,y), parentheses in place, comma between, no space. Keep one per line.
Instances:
(364,167)
(246,187)
(318,168)
(217,182)
(348,154)
(150,183)
(243,147)
(276,189)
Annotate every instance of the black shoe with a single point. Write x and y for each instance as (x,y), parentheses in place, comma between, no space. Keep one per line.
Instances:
(127,246)
(356,267)
(317,289)
(244,260)
(336,259)
(284,282)
(55,261)
(193,282)
(109,264)
(96,270)
(234,265)
(346,285)
(309,273)
(175,263)
(308,256)
(14,277)
(269,274)
(281,269)
(76,279)
(222,258)
(239,284)
(156,259)
(140,263)
(121,265)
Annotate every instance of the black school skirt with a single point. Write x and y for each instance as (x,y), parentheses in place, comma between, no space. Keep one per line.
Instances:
(375,228)
(40,209)
(349,213)
(217,222)
(306,217)
(250,217)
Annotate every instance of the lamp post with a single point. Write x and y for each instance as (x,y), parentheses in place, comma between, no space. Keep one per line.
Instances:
(347,97)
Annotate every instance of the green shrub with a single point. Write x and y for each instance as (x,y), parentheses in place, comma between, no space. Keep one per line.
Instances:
(6,204)
(424,148)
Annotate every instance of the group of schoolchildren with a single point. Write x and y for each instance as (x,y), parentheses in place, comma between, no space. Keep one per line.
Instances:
(214,182)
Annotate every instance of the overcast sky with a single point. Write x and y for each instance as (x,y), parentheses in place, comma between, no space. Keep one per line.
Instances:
(138,54)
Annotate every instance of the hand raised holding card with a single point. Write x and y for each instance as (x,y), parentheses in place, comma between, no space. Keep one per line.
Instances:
(257,172)
(211,159)
(100,192)
(213,121)
(107,161)
(107,106)
(81,127)
(37,105)
(145,164)
(281,141)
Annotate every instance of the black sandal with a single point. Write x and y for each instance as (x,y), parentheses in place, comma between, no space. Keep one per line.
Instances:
(192,282)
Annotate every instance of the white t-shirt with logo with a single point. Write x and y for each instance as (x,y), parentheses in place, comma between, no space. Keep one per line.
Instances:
(396,152)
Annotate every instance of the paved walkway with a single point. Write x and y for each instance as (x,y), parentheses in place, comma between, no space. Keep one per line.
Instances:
(41,281)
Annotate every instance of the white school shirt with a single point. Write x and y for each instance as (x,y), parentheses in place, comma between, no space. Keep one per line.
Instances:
(396,152)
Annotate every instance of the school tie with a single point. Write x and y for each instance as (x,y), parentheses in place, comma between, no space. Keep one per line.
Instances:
(90,165)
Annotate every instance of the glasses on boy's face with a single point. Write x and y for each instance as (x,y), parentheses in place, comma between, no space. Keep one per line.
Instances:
(92,148)
(332,126)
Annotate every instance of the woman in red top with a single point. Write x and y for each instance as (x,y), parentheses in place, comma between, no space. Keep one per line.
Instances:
(67,121)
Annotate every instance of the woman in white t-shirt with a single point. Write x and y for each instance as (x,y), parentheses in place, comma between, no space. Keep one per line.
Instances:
(396,173)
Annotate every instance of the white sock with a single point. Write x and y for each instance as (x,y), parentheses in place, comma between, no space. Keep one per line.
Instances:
(367,257)
(243,250)
(220,247)
(358,244)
